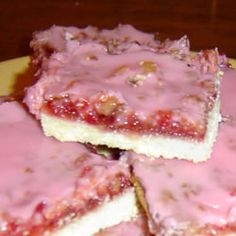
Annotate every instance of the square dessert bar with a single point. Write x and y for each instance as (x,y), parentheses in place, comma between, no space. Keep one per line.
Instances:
(127,91)
(53,188)
(188,198)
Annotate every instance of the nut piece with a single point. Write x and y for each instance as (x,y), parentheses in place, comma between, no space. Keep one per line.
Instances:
(91,58)
(168,197)
(137,79)
(120,70)
(107,105)
(148,66)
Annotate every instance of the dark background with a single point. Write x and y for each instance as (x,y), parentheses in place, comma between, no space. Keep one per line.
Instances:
(208,23)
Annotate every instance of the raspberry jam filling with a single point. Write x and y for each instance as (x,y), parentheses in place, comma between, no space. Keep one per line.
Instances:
(109,113)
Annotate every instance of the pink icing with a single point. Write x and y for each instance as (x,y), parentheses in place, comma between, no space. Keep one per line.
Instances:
(56,38)
(36,169)
(228,90)
(185,192)
(144,79)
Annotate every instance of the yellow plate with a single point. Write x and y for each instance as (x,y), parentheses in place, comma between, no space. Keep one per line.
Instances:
(16,74)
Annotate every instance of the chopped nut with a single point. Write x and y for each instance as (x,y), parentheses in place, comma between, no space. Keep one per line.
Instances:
(168,197)
(190,190)
(115,42)
(81,158)
(137,79)
(148,66)
(71,84)
(126,38)
(209,85)
(69,36)
(174,51)
(108,105)
(140,97)
(115,186)
(83,35)
(91,58)
(220,73)
(195,97)
(28,170)
(120,70)
(201,207)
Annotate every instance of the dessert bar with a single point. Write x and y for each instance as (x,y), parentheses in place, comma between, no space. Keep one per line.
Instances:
(188,198)
(53,188)
(128,92)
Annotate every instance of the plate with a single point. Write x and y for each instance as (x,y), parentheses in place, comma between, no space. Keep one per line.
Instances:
(16,74)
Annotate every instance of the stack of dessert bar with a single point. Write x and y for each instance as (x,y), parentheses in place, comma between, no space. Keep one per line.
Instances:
(168,117)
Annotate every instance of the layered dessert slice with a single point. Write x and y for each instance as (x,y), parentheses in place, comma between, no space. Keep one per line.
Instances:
(53,188)
(183,198)
(135,97)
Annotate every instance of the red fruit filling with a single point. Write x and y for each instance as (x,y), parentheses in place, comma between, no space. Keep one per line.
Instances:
(112,115)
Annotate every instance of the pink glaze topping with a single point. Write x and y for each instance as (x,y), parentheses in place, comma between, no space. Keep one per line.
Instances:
(144,80)
(36,170)
(56,38)
(199,194)
(228,91)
